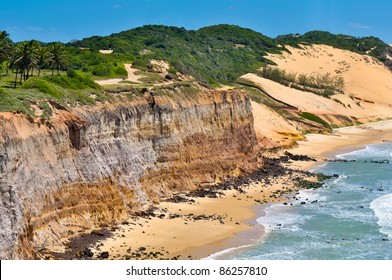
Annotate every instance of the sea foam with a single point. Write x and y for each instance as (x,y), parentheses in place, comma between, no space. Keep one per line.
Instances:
(382,208)
(370,151)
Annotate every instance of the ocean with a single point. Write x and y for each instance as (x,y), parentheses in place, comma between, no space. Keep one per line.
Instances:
(350,218)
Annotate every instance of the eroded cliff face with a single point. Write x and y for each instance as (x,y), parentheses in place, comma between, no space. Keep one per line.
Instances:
(94,166)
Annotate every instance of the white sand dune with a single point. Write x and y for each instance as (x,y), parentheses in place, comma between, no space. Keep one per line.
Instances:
(368,83)
(367,92)
(364,76)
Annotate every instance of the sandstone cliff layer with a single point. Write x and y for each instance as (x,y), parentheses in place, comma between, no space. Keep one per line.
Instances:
(94,166)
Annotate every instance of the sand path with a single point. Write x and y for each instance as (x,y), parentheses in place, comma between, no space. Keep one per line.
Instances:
(132,77)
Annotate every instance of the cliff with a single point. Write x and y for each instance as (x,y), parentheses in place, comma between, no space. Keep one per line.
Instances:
(93,166)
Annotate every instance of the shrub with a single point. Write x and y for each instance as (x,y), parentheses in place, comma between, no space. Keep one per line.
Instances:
(120,70)
(172,71)
(73,80)
(43,86)
(102,70)
(140,64)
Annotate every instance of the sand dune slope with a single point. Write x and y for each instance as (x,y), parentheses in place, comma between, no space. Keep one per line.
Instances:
(365,77)
(272,129)
(368,83)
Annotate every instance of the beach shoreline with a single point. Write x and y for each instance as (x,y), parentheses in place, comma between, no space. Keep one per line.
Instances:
(321,147)
(199,227)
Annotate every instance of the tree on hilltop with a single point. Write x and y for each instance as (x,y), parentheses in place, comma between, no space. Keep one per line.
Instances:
(56,57)
(42,55)
(23,59)
(5,47)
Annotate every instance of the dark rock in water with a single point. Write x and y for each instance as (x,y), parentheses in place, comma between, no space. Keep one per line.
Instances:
(340,160)
(104,255)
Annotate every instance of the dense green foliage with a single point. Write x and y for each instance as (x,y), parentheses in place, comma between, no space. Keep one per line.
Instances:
(100,65)
(33,72)
(216,54)
(367,45)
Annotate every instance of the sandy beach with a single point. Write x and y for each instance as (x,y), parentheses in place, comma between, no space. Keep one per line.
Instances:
(196,227)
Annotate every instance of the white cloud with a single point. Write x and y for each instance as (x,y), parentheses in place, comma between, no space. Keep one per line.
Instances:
(359,25)
(117,6)
(34,29)
(11,28)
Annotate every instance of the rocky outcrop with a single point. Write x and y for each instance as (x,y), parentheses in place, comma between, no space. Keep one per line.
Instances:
(94,166)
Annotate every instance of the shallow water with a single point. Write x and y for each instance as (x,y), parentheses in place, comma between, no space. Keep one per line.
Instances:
(350,218)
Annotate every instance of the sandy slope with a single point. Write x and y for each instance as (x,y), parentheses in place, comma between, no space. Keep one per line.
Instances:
(367,93)
(271,128)
(365,78)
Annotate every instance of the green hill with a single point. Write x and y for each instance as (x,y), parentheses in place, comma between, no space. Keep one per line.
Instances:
(215,54)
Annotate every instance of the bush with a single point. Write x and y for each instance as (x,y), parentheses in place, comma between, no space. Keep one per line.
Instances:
(172,71)
(120,70)
(102,70)
(73,80)
(43,86)
(72,73)
(140,64)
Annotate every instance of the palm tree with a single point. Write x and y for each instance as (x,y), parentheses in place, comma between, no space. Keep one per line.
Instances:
(33,46)
(23,59)
(42,53)
(57,57)
(5,47)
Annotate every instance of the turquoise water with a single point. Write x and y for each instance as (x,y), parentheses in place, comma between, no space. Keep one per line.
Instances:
(350,218)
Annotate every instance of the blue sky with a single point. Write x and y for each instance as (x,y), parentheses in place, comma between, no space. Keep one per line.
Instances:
(55,20)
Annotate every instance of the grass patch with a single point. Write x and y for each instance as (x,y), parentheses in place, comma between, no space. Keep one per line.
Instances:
(67,90)
(73,80)
(314,118)
(20,100)
(43,86)
(150,78)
